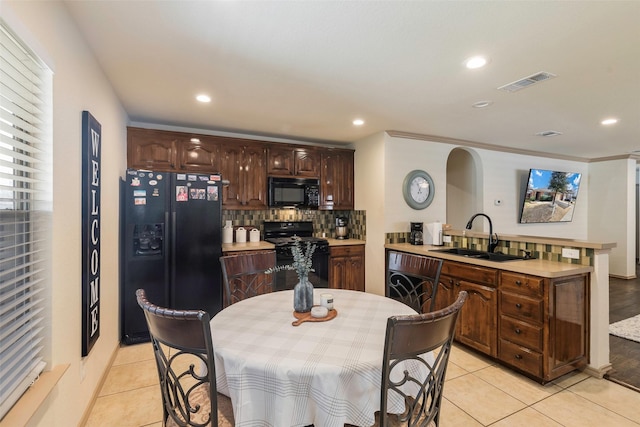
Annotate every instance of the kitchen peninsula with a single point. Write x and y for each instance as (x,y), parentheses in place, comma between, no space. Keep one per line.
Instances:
(544,317)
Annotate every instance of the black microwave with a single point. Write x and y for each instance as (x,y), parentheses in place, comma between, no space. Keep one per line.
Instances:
(294,193)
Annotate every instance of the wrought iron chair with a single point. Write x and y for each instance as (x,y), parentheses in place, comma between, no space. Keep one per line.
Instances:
(183,351)
(418,338)
(413,280)
(244,275)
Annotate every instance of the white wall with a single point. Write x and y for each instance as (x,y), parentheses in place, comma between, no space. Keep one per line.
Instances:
(369,177)
(612,212)
(604,211)
(78,84)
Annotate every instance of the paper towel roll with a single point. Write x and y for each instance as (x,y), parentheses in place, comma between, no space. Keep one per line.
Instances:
(434,234)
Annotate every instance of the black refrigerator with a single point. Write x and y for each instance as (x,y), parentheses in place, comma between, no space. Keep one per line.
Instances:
(170,245)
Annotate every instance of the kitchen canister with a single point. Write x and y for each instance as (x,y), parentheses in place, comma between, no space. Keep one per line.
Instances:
(241,235)
(254,235)
(227,233)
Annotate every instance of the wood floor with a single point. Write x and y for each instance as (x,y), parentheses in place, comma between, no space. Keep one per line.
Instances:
(624,355)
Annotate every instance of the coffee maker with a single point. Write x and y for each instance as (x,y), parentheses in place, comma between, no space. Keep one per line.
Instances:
(341,228)
(415,238)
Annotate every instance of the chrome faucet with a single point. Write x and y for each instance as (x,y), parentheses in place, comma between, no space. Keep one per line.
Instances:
(493,238)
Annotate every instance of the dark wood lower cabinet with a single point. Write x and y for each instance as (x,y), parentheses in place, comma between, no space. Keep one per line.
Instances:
(346,267)
(538,326)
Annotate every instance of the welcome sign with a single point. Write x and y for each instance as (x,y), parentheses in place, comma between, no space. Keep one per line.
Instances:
(91,140)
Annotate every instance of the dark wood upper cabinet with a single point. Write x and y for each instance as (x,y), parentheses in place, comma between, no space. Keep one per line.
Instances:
(152,149)
(288,160)
(337,180)
(245,164)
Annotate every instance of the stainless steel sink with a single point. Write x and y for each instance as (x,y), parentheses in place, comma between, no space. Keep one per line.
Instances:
(491,256)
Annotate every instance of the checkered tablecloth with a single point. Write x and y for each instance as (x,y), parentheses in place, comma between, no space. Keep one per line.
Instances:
(321,373)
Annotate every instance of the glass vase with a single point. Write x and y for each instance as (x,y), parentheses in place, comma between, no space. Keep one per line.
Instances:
(303,295)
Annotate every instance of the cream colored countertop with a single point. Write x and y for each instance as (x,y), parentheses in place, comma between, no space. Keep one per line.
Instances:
(535,267)
(345,242)
(249,246)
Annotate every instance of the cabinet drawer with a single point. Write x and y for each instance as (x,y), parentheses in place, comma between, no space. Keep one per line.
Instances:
(525,308)
(485,276)
(522,284)
(346,250)
(521,333)
(521,358)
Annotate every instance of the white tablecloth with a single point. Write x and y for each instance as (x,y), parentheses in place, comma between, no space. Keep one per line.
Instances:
(321,373)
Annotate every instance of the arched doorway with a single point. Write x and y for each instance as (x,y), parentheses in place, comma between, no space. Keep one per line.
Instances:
(464,186)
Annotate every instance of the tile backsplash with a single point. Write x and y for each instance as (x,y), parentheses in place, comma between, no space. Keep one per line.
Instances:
(537,250)
(323,221)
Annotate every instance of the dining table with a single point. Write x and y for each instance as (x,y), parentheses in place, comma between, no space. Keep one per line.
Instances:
(323,373)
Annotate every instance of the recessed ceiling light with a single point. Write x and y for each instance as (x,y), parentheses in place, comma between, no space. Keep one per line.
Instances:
(476,62)
(195,140)
(611,121)
(358,122)
(203,98)
(481,104)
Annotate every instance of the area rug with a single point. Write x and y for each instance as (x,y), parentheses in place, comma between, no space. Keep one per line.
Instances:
(627,328)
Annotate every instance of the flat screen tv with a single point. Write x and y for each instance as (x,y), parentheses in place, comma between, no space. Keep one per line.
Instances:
(550,196)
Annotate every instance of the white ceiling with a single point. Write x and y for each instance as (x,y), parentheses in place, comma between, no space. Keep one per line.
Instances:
(305,69)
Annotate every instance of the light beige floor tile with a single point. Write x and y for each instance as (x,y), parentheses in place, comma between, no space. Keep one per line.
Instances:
(612,396)
(570,379)
(572,410)
(130,377)
(468,360)
(528,417)
(516,385)
(451,415)
(454,371)
(135,408)
(133,353)
(481,400)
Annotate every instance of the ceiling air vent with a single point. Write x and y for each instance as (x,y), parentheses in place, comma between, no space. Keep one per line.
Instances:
(527,81)
(547,133)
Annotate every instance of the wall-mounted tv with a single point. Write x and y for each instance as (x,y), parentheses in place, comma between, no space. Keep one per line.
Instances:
(550,196)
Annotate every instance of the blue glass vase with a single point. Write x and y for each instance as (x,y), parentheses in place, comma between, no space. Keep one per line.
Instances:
(303,295)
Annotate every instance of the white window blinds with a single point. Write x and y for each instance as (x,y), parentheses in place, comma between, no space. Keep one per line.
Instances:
(25,214)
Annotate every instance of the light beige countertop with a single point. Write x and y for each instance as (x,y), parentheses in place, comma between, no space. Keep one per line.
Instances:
(535,267)
(345,242)
(249,246)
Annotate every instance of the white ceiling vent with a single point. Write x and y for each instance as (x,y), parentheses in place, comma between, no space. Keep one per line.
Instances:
(547,133)
(527,81)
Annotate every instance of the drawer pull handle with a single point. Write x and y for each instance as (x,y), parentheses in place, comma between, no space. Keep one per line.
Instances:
(518,305)
(518,357)
(518,282)
(518,331)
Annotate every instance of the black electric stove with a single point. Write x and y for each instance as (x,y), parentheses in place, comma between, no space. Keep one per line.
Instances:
(283,235)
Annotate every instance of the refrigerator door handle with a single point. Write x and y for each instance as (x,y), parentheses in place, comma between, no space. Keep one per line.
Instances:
(174,230)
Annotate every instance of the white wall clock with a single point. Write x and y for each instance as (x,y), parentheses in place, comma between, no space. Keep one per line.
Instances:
(418,189)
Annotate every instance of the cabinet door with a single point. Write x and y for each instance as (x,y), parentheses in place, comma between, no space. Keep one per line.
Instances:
(230,167)
(346,268)
(445,294)
(568,325)
(199,154)
(254,176)
(307,163)
(336,180)
(280,161)
(151,149)
(478,318)
(344,179)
